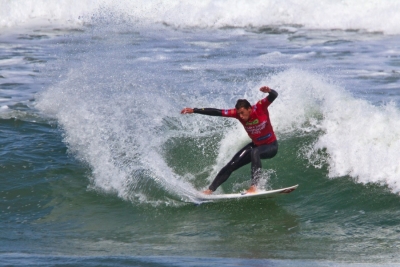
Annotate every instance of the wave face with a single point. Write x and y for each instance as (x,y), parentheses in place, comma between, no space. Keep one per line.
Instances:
(369,15)
(120,114)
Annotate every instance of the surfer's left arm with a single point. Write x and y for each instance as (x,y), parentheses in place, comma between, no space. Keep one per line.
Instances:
(272,94)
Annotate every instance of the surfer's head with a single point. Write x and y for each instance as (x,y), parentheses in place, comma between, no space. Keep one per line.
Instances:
(243,109)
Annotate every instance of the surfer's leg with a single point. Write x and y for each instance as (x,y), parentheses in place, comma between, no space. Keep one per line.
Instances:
(258,153)
(241,158)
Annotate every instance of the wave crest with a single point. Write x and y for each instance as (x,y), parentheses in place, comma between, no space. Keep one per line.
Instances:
(369,15)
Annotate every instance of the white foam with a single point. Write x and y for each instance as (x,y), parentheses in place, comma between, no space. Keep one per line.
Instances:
(186,67)
(369,15)
(213,45)
(361,140)
(275,54)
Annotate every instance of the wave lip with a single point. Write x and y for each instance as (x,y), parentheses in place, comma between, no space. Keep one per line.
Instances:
(369,15)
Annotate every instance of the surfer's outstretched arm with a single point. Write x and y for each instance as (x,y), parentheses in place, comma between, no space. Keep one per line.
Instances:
(204,111)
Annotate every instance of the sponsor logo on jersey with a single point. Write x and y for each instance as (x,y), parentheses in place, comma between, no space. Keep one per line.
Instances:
(252,122)
(255,129)
(264,137)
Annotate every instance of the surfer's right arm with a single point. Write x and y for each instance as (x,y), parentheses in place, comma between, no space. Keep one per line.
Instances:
(204,111)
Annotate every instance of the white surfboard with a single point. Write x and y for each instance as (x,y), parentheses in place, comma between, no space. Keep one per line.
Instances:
(238,196)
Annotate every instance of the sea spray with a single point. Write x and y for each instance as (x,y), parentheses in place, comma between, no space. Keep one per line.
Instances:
(355,137)
(117,120)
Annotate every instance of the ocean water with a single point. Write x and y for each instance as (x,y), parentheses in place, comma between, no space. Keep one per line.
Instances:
(99,168)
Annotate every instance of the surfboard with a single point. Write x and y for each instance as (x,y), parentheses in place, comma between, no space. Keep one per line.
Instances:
(244,195)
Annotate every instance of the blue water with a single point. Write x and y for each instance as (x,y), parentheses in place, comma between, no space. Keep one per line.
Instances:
(98,167)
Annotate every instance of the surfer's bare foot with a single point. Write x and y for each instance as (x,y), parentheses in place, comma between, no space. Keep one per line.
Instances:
(252,189)
(207,192)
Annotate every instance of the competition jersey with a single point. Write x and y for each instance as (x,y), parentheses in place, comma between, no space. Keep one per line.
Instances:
(258,127)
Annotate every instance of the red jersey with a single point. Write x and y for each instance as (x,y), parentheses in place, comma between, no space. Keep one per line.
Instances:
(258,127)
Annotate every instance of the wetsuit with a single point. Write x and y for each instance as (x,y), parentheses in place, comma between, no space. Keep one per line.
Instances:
(263,146)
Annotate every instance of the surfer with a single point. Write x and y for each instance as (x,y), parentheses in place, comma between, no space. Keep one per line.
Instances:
(257,124)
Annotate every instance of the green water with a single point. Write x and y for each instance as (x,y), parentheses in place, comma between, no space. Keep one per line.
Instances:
(48,202)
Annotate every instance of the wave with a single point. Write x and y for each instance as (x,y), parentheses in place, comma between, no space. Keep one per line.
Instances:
(120,116)
(146,154)
(353,137)
(369,15)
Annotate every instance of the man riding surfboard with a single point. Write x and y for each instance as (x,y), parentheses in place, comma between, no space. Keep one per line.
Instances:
(264,145)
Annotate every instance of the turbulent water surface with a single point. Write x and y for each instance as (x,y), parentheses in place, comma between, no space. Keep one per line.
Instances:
(99,168)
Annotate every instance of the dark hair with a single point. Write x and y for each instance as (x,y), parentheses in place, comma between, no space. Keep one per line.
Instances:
(242,103)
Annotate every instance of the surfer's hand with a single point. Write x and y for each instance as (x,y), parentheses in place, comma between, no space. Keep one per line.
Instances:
(265,89)
(252,189)
(187,111)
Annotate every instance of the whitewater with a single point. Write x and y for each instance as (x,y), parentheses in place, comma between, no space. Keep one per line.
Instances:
(370,15)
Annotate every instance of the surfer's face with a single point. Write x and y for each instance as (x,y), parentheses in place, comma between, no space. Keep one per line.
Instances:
(244,113)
